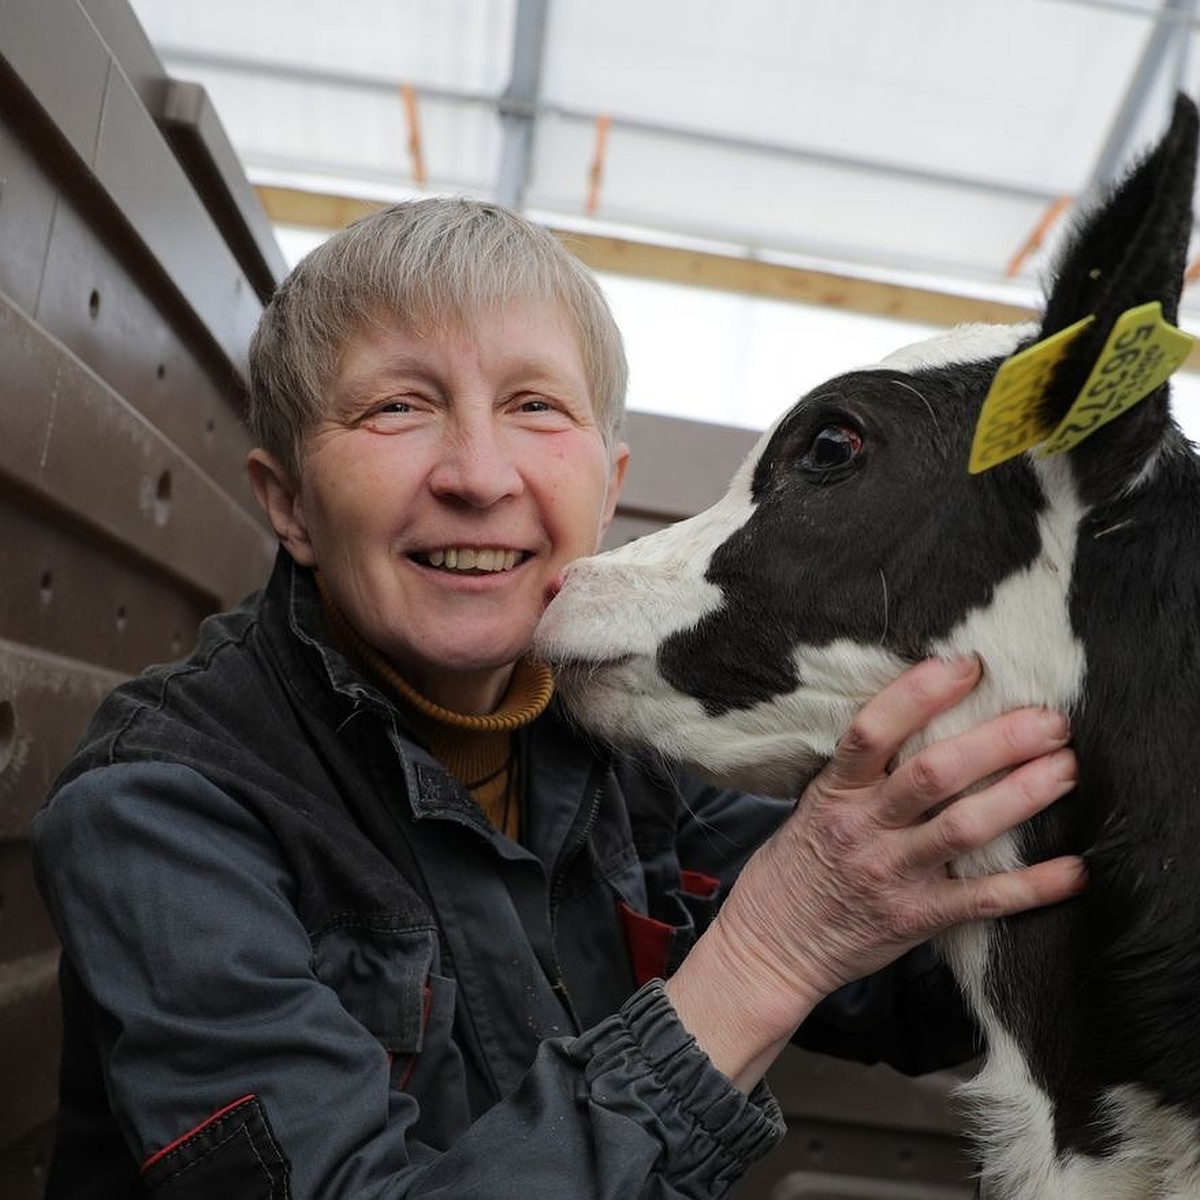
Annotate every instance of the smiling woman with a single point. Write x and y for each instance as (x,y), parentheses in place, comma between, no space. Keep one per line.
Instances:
(451,480)
(349,907)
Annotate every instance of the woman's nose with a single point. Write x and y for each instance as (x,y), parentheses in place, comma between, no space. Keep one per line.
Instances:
(477,466)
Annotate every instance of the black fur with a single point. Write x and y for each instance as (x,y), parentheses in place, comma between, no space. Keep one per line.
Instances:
(862,523)
(1105,990)
(810,564)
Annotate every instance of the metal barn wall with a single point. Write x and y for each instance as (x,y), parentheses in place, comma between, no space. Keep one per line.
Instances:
(133,264)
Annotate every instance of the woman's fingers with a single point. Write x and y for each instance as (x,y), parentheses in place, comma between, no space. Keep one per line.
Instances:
(861,871)
(898,712)
(944,768)
(950,766)
(986,897)
(974,820)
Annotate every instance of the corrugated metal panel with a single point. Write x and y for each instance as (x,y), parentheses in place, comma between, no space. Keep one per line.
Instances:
(133,266)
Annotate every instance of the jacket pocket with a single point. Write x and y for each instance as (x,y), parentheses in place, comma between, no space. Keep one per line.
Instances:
(386,977)
(658,943)
(233,1154)
(380,972)
(436,1059)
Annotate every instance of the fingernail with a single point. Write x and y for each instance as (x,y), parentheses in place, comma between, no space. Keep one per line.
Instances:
(1081,875)
(1055,725)
(963,666)
(1067,768)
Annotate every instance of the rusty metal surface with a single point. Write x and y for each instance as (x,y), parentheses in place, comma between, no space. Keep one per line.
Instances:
(677,469)
(29,1022)
(822,1185)
(155,196)
(53,52)
(878,1134)
(205,153)
(75,596)
(24,927)
(815,1086)
(100,311)
(45,703)
(185,114)
(62,85)
(680,467)
(62,423)
(130,45)
(828,1160)
(23,1164)
(26,214)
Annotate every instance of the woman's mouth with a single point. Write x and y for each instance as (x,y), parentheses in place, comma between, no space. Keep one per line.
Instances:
(471,559)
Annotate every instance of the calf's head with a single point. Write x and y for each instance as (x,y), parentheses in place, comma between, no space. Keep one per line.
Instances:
(854,540)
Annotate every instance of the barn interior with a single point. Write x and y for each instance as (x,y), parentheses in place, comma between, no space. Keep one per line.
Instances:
(769,193)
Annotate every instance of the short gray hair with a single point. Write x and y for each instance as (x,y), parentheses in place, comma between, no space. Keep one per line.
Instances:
(420,261)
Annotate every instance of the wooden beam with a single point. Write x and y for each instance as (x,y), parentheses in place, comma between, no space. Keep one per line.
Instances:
(699,268)
(774,281)
(313,210)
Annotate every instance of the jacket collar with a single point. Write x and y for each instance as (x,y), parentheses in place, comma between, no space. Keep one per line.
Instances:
(559,772)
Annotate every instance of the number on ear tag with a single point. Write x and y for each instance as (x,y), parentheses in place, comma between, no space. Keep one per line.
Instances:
(1010,420)
(1141,353)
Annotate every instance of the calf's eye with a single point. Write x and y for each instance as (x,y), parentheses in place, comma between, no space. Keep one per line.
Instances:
(833,446)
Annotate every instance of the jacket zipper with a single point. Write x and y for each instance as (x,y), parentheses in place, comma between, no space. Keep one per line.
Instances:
(570,853)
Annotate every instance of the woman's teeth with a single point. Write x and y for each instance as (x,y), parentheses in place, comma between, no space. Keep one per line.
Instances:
(468,559)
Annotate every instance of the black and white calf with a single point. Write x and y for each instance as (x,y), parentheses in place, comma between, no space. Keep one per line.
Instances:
(853,542)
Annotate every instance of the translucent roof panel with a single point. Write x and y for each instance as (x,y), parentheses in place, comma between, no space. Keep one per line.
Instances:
(764,202)
(926,136)
(349,136)
(1015,93)
(457,44)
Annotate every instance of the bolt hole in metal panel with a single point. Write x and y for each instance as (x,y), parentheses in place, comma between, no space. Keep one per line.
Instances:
(126,517)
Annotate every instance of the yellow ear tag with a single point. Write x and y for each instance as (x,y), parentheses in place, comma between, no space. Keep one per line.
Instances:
(1010,420)
(1141,353)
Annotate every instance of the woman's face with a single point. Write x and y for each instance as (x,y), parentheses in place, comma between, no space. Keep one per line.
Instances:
(456,473)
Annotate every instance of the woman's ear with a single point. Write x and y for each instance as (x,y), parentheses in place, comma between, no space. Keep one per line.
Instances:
(283,502)
(616,483)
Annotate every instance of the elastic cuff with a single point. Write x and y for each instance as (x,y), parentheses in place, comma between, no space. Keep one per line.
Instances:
(744,1127)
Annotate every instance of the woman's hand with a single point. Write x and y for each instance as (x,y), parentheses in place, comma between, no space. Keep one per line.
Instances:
(860,871)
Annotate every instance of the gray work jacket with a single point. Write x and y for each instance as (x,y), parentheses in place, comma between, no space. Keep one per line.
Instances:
(299,962)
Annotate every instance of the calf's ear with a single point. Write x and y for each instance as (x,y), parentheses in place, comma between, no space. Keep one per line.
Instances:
(1132,248)
(1128,251)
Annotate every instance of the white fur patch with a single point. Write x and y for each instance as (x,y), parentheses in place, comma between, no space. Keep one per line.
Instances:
(772,747)
(968,343)
(1158,1154)
(628,601)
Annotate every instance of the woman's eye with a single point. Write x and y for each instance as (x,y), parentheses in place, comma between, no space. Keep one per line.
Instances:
(388,409)
(389,416)
(833,446)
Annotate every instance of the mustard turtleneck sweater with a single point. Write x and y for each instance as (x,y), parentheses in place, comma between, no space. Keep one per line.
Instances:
(479,751)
